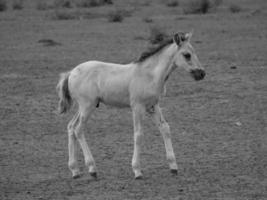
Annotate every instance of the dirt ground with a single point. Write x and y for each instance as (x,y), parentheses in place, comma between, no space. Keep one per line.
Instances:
(219,125)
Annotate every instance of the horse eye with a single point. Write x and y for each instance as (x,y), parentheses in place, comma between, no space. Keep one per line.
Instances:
(187,56)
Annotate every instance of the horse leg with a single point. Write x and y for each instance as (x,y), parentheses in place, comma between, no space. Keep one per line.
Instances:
(73,148)
(164,129)
(138,135)
(85,112)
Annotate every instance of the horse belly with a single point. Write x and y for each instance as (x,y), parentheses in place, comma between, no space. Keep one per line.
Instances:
(116,102)
(115,93)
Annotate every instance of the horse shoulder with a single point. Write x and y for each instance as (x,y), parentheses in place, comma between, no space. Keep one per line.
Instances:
(143,89)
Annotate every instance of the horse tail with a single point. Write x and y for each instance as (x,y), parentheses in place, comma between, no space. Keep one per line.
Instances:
(65,100)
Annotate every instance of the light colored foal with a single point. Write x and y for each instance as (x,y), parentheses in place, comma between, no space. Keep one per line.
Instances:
(138,85)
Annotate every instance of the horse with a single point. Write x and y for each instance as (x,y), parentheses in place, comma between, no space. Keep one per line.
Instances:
(138,85)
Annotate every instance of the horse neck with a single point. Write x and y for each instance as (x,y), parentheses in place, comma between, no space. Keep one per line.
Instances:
(163,64)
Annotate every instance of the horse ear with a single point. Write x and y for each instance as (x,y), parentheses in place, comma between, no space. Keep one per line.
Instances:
(188,36)
(177,39)
(180,38)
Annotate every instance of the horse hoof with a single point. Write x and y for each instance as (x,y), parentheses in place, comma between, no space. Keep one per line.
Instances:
(140,177)
(76,176)
(174,171)
(93,174)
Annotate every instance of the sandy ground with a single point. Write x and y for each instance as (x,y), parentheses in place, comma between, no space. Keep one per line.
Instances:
(218,125)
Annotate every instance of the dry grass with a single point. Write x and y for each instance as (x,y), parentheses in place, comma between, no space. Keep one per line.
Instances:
(3,5)
(200,6)
(63,4)
(48,42)
(217,2)
(157,35)
(87,3)
(145,3)
(234,8)
(92,3)
(218,125)
(66,14)
(45,5)
(196,7)
(42,5)
(172,3)
(148,19)
(17,4)
(115,16)
(118,15)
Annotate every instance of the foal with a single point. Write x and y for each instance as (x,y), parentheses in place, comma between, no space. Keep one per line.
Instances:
(138,85)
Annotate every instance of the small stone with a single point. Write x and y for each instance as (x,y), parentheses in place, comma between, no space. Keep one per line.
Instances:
(238,123)
(184,133)
(233,67)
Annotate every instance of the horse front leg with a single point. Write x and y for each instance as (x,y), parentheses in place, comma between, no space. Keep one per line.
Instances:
(164,129)
(138,136)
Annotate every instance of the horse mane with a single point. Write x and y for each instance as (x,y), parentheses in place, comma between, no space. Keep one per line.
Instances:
(152,51)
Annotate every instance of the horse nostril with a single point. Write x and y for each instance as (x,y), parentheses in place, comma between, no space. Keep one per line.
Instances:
(198,74)
(203,74)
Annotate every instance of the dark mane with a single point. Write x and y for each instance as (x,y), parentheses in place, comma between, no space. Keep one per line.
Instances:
(152,51)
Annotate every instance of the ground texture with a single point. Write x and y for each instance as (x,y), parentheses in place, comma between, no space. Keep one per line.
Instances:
(219,125)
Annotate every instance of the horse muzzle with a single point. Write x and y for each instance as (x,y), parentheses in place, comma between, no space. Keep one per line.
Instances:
(198,74)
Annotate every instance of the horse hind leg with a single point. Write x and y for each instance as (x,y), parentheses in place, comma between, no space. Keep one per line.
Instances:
(84,113)
(73,148)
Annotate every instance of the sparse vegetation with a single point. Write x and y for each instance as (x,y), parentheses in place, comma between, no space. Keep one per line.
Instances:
(148,20)
(87,3)
(115,16)
(108,1)
(234,8)
(43,5)
(92,3)
(145,3)
(118,15)
(48,42)
(157,35)
(219,125)
(217,2)
(172,3)
(17,4)
(63,4)
(139,38)
(64,15)
(200,6)
(3,5)
(58,4)
(196,6)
